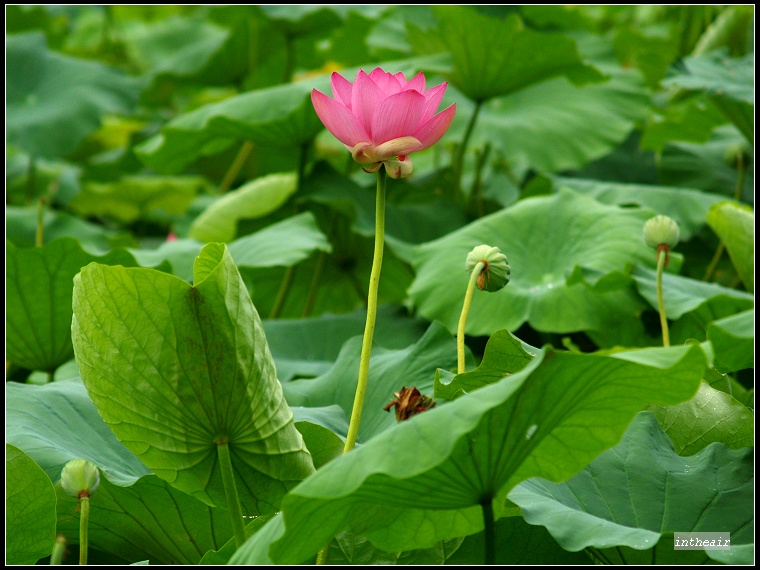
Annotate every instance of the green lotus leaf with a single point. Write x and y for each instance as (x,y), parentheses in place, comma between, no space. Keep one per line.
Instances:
(149,520)
(21,229)
(682,295)
(544,239)
(133,197)
(255,199)
(309,347)
(47,422)
(280,116)
(633,494)
(390,370)
(222,556)
(349,548)
(423,480)
(518,543)
(38,300)
(482,47)
(710,166)
(282,244)
(185,367)
(582,123)
(179,47)
(735,225)
(29,509)
(729,82)
(686,206)
(710,416)
(42,121)
(733,339)
(504,354)
(692,120)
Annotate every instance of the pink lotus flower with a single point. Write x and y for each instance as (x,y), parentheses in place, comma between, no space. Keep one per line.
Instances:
(382,117)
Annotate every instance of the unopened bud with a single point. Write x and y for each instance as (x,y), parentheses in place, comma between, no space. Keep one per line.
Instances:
(496,271)
(661,230)
(80,477)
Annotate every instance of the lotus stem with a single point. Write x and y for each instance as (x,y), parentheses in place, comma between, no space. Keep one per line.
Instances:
(741,167)
(39,239)
(465,311)
(230,491)
(287,279)
(662,254)
(59,547)
(459,160)
(84,521)
(489,532)
(234,169)
(369,327)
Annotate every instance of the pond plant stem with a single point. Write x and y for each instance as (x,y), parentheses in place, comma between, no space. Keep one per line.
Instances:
(59,548)
(369,327)
(662,255)
(465,311)
(235,167)
(287,280)
(459,158)
(39,238)
(84,521)
(489,532)
(230,491)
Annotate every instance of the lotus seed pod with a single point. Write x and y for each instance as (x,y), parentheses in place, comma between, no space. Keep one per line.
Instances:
(495,274)
(79,477)
(661,230)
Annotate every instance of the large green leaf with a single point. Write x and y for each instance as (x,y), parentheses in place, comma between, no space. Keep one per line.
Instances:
(29,509)
(518,543)
(683,294)
(735,225)
(710,416)
(277,116)
(482,48)
(252,200)
(634,493)
(21,229)
(55,101)
(47,422)
(582,123)
(710,166)
(133,197)
(310,347)
(185,367)
(686,206)
(544,239)
(38,297)
(176,46)
(423,480)
(504,354)
(390,370)
(281,244)
(729,82)
(733,339)
(149,520)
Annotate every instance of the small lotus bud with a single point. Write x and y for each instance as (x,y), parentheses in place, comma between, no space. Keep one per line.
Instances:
(80,477)
(496,272)
(661,230)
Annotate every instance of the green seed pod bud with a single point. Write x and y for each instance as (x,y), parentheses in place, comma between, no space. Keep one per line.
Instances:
(496,272)
(80,477)
(661,230)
